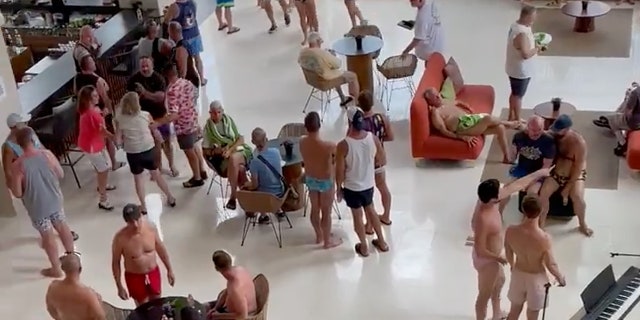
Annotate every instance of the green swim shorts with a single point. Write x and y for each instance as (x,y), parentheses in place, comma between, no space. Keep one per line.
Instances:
(224,3)
(467,121)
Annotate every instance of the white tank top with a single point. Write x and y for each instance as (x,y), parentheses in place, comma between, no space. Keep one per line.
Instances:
(360,163)
(516,66)
(136,135)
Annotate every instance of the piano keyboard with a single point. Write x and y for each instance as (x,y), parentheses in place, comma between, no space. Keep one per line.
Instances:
(628,295)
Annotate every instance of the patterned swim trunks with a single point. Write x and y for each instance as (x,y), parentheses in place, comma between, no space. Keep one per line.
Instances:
(46,223)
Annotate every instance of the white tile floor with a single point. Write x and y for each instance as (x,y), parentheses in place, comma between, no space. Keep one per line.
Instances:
(427,274)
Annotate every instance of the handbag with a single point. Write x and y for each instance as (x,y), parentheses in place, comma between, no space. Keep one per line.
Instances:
(292,191)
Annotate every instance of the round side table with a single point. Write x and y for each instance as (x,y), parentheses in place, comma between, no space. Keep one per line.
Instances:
(546,112)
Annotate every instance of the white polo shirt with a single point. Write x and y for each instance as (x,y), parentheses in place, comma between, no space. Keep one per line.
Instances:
(428,29)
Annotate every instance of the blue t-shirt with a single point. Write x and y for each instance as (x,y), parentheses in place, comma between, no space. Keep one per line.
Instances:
(267,181)
(531,153)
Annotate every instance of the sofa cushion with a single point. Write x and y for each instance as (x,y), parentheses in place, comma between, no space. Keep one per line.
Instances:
(633,150)
(447,91)
(440,147)
(452,70)
(479,97)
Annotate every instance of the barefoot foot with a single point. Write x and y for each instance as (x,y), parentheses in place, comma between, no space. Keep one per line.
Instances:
(51,273)
(332,242)
(586,231)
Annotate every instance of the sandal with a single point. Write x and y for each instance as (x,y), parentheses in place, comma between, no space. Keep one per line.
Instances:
(222,27)
(193,183)
(602,122)
(385,222)
(171,202)
(233,30)
(360,251)
(376,243)
(75,236)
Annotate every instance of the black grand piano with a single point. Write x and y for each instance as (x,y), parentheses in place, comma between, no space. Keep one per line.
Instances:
(607,299)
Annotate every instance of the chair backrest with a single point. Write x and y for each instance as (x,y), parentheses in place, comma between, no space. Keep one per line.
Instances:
(114,313)
(262,293)
(292,130)
(65,118)
(255,201)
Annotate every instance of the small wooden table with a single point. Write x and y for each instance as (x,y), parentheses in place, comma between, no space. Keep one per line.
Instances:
(359,61)
(545,111)
(291,166)
(585,19)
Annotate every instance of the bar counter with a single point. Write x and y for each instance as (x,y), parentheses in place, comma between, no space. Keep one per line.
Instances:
(35,93)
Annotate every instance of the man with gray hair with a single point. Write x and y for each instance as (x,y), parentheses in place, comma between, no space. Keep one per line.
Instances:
(69,299)
(265,168)
(325,64)
(86,46)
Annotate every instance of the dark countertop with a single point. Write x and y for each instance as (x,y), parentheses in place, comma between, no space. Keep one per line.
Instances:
(33,93)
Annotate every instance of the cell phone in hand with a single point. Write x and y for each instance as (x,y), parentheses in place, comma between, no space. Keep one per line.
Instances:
(407,24)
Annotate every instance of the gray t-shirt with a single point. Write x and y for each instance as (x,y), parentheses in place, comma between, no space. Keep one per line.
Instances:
(145,46)
(42,196)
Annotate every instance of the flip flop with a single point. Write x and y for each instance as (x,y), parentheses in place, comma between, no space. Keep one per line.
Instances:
(233,30)
(358,248)
(602,123)
(386,223)
(222,27)
(376,243)
(369,233)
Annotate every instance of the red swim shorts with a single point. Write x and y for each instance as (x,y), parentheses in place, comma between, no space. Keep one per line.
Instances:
(142,286)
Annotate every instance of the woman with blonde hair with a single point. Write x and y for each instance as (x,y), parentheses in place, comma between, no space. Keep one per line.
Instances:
(92,131)
(134,131)
(308,17)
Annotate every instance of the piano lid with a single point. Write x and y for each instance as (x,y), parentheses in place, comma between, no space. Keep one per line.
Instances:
(598,289)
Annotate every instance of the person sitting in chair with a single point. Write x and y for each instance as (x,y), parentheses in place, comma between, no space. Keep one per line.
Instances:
(569,173)
(224,149)
(456,120)
(325,63)
(239,298)
(533,149)
(265,168)
(626,118)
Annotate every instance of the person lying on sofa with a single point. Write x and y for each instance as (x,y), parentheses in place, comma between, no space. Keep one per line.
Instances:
(626,118)
(456,120)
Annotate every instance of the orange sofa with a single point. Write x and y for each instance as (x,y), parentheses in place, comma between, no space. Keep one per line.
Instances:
(428,144)
(633,150)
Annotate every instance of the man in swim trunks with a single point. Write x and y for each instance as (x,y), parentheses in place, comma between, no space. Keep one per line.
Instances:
(528,251)
(456,120)
(138,243)
(569,173)
(318,157)
(69,299)
(238,300)
(487,249)
(227,21)
(533,149)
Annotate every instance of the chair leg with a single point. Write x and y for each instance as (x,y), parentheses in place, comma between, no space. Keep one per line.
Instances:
(411,85)
(277,232)
(390,89)
(210,185)
(337,209)
(73,170)
(286,216)
(248,221)
(308,99)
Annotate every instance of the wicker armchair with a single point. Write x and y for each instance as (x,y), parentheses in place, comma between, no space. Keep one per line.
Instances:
(114,313)
(397,69)
(321,89)
(366,30)
(292,130)
(261,284)
(255,202)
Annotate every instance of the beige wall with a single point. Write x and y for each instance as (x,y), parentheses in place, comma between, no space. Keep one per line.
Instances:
(8,104)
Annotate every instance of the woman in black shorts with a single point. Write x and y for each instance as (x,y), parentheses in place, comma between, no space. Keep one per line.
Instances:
(134,130)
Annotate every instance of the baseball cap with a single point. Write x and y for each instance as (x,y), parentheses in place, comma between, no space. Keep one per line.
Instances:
(561,123)
(14,118)
(131,212)
(355,116)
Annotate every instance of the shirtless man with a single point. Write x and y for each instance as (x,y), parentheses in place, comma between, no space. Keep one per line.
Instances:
(569,174)
(238,300)
(318,156)
(138,243)
(456,120)
(528,250)
(487,249)
(69,299)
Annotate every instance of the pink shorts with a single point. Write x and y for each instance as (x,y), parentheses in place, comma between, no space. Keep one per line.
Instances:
(529,288)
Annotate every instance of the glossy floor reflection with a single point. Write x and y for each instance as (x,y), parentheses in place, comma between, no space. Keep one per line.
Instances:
(428,273)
